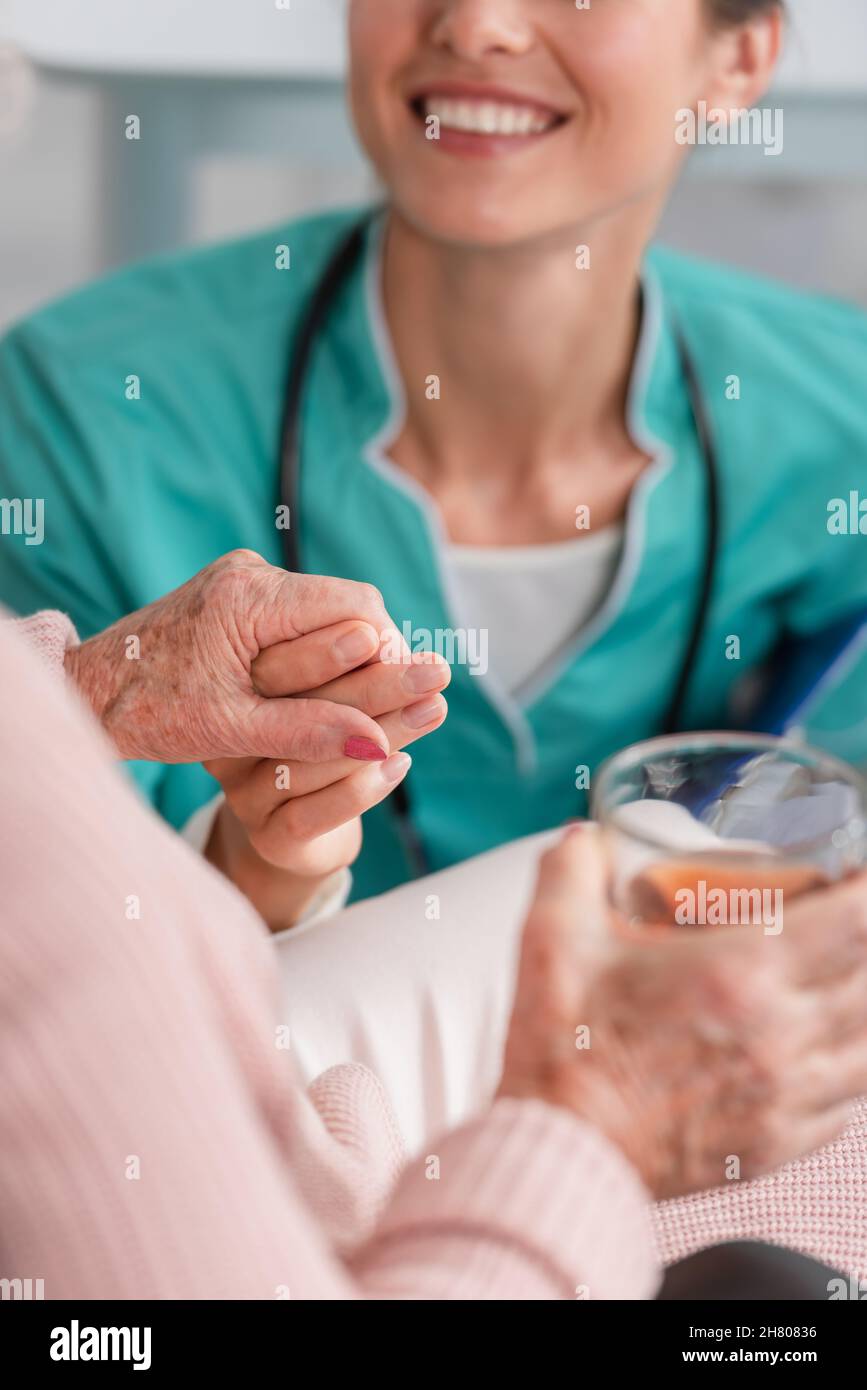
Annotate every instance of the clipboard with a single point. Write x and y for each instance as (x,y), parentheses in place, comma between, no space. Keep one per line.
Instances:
(800,677)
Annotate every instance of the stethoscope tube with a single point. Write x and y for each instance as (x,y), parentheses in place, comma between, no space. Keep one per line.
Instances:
(336,274)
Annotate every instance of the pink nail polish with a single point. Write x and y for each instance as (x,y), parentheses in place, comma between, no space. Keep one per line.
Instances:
(365,750)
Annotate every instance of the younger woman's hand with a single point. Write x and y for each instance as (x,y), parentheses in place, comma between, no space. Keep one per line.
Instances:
(286,827)
(701,1044)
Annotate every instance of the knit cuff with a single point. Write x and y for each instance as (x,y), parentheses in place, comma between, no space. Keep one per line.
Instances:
(331,898)
(50,635)
(537,1181)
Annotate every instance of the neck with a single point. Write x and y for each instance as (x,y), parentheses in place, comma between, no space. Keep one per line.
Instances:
(534,356)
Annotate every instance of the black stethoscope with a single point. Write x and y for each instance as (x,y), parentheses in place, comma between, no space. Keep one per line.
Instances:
(338,270)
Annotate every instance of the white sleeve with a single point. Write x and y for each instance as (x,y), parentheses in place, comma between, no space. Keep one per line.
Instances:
(331,898)
(197,831)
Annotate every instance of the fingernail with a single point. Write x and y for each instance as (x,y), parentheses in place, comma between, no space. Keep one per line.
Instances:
(365,750)
(355,646)
(395,768)
(418,680)
(417,716)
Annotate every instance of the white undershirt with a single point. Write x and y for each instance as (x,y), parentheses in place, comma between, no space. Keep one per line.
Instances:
(532,600)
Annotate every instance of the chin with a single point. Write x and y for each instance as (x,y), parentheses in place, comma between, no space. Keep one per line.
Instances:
(471,220)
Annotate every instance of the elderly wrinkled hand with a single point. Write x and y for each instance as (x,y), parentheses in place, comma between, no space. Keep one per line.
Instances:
(688,1048)
(174,682)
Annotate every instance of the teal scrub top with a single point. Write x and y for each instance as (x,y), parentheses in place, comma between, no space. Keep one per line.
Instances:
(145,481)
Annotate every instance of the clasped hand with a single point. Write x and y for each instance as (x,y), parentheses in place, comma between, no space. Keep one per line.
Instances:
(275,682)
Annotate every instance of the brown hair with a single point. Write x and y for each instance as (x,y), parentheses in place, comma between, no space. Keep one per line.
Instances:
(738,11)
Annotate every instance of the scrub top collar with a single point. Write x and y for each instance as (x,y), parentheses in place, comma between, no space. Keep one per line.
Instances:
(657,409)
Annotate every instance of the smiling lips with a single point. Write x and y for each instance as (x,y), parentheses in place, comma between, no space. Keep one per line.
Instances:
(487,117)
(485,121)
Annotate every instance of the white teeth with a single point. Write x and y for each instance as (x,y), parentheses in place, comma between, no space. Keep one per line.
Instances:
(487,117)
(490,118)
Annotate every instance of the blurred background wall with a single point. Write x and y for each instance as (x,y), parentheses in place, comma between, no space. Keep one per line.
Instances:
(242,124)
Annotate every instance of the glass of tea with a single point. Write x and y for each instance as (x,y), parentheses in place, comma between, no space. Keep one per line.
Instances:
(719,829)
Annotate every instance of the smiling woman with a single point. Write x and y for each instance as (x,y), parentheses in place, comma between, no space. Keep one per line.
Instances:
(601,84)
(603,479)
(472,386)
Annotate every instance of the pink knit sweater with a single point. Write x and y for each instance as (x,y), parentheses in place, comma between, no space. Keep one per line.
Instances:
(154,1139)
